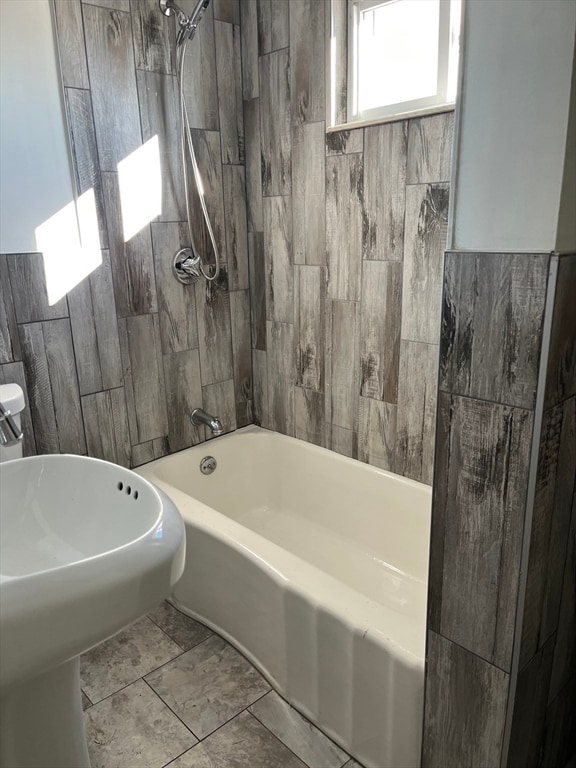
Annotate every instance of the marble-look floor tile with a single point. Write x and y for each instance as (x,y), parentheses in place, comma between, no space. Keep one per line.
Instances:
(208,685)
(134,728)
(85,701)
(304,739)
(125,658)
(181,628)
(241,743)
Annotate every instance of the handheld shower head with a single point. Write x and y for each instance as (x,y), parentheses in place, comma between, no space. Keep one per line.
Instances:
(188,24)
(169,7)
(198,12)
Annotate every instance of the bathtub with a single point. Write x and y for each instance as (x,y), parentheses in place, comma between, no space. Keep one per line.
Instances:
(315,567)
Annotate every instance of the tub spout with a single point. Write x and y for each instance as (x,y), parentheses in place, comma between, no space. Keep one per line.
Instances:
(200,417)
(10,434)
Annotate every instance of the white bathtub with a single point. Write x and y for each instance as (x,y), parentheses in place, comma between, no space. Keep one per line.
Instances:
(315,567)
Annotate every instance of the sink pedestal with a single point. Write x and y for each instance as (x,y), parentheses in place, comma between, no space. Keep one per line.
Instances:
(41,721)
(86,548)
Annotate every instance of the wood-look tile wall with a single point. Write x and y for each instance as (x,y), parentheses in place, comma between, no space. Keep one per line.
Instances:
(339,238)
(115,368)
(346,236)
(330,303)
(493,335)
(543,733)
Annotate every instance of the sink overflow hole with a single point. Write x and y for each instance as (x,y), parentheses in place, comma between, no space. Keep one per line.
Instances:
(128,489)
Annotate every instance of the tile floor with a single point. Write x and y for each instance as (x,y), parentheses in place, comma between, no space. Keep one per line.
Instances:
(169,692)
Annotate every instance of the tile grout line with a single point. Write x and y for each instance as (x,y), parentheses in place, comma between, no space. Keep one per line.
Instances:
(176,657)
(484,400)
(227,722)
(467,650)
(123,688)
(277,737)
(348,757)
(208,735)
(245,709)
(184,650)
(174,713)
(199,740)
(83,692)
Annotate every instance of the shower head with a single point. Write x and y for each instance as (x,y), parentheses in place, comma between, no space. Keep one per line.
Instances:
(168,7)
(187,24)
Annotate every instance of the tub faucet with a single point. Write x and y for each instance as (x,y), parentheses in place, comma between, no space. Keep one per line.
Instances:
(199,417)
(10,434)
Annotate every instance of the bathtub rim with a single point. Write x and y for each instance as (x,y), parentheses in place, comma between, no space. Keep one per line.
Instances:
(361,466)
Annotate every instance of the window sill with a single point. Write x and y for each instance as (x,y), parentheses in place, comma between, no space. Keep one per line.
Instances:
(435,110)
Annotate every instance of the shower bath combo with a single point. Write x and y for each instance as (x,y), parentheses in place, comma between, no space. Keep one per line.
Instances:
(189,265)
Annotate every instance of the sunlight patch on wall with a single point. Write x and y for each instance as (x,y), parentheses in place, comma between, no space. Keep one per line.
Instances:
(140,183)
(70,244)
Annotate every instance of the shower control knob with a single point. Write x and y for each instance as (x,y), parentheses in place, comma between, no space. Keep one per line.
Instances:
(186,266)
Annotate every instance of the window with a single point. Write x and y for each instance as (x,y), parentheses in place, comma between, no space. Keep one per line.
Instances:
(402,56)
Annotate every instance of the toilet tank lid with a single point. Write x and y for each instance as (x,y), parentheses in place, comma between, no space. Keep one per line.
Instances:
(12,397)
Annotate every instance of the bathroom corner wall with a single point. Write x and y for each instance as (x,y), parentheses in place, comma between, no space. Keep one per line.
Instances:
(346,237)
(492,322)
(543,733)
(115,367)
(501,683)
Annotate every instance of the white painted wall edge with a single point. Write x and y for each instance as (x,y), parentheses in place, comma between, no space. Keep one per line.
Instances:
(513,122)
(35,174)
(566,232)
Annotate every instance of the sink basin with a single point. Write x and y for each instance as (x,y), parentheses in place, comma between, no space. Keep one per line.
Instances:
(86,548)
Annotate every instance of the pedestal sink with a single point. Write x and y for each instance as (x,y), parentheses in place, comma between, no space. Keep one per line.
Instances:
(86,548)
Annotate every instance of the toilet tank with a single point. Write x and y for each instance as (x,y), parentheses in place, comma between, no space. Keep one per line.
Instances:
(12,398)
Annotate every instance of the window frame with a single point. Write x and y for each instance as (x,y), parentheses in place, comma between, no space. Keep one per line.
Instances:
(438,102)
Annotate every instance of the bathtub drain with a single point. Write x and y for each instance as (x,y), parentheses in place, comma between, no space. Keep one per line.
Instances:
(208,465)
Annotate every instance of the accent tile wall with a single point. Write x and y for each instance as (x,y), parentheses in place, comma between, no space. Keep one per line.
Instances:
(339,238)
(495,677)
(346,240)
(114,368)
(493,313)
(543,733)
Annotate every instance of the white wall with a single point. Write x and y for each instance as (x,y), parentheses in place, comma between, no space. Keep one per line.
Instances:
(514,105)
(566,237)
(35,177)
